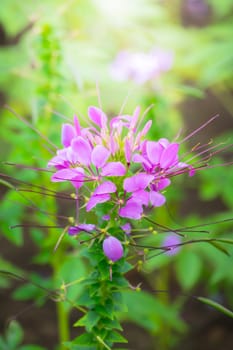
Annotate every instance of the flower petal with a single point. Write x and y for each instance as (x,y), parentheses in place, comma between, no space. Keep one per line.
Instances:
(94,200)
(67,174)
(112,248)
(169,156)
(154,151)
(171,242)
(128,151)
(105,187)
(76,176)
(157,199)
(131,210)
(137,182)
(137,158)
(97,116)
(141,197)
(99,156)
(82,149)
(67,134)
(113,169)
(77,126)
(134,119)
(74,230)
(162,183)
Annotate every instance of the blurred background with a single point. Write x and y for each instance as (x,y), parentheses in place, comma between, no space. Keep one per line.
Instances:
(56,59)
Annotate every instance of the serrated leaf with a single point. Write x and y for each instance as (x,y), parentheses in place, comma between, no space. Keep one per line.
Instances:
(88,321)
(217,306)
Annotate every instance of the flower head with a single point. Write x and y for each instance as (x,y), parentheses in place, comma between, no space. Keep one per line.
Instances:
(105,155)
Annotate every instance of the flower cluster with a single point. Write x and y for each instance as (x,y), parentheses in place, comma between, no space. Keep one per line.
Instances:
(120,166)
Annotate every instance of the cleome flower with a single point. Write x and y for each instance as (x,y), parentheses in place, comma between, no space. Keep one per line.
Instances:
(105,155)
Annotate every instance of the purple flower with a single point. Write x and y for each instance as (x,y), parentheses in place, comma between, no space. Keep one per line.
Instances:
(170,242)
(112,248)
(126,228)
(74,230)
(109,149)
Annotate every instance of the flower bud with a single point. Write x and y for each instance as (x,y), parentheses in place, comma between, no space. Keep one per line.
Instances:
(112,248)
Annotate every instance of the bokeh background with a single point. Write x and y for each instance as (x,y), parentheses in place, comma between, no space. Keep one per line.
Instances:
(56,59)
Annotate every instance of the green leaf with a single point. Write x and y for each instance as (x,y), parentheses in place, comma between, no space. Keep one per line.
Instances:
(116,337)
(14,335)
(188,269)
(31,347)
(71,272)
(219,247)
(89,320)
(217,306)
(147,311)
(25,292)
(191,91)
(84,342)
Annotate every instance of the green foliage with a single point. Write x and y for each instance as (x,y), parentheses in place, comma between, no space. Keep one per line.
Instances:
(14,337)
(188,268)
(148,311)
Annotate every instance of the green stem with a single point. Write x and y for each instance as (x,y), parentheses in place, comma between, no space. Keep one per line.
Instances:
(62,313)
(63,324)
(163,284)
